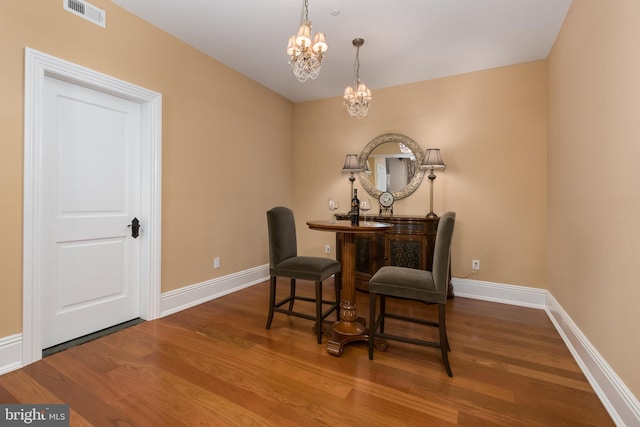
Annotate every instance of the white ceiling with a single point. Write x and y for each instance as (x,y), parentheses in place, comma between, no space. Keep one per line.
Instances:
(405,40)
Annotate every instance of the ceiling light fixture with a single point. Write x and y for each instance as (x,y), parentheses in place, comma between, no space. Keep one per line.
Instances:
(358,96)
(306,58)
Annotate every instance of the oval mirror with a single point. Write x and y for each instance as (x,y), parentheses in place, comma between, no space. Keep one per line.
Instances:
(391,163)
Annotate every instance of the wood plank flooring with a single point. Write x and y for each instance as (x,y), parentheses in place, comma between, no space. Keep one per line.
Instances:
(216,365)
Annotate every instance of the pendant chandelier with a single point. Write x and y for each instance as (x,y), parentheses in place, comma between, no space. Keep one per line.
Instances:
(358,96)
(305,57)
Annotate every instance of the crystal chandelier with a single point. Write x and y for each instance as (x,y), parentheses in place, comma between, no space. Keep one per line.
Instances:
(306,58)
(358,96)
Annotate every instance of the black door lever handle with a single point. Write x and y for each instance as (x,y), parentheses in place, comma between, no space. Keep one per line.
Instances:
(135,227)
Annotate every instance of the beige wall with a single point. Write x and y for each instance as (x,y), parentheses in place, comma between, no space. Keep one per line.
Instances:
(594,189)
(491,127)
(211,137)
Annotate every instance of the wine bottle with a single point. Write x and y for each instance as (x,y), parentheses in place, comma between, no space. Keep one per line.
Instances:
(355,208)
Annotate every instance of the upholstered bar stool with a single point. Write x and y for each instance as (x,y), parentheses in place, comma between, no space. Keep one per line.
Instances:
(285,262)
(418,285)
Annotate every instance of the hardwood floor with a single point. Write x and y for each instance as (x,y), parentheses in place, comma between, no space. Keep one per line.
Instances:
(216,364)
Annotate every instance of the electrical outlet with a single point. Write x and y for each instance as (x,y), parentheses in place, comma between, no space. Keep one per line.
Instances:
(475,264)
(216,262)
(327,249)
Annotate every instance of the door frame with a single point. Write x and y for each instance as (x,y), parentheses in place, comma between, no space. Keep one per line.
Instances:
(37,66)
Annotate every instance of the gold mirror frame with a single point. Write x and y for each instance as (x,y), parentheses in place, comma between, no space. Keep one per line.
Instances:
(415,181)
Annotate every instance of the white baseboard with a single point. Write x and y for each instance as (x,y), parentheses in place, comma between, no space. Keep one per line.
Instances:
(498,292)
(10,353)
(621,404)
(190,296)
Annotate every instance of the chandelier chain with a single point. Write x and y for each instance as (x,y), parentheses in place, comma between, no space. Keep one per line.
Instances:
(357,66)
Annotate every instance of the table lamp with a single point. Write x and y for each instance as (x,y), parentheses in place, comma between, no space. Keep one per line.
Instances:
(431,162)
(351,165)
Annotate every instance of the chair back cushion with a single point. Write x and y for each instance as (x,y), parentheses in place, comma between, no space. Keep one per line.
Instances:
(442,251)
(282,235)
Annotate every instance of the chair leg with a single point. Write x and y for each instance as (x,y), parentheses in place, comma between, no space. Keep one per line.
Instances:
(444,328)
(383,308)
(272,300)
(444,343)
(372,322)
(319,311)
(337,280)
(292,294)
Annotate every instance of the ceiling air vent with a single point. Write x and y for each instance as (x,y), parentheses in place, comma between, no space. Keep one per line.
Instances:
(87,11)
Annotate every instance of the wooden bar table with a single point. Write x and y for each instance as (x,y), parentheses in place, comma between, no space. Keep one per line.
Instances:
(349,328)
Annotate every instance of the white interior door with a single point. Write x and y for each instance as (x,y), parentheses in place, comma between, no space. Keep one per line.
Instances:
(91,192)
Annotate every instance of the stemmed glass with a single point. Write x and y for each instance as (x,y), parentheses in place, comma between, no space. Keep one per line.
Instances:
(365,206)
(333,205)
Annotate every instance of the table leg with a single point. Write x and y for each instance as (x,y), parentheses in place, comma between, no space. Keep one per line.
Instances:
(350,328)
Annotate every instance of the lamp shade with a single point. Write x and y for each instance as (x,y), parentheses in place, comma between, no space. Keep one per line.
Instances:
(292,48)
(351,163)
(320,43)
(363,91)
(349,93)
(303,39)
(432,160)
